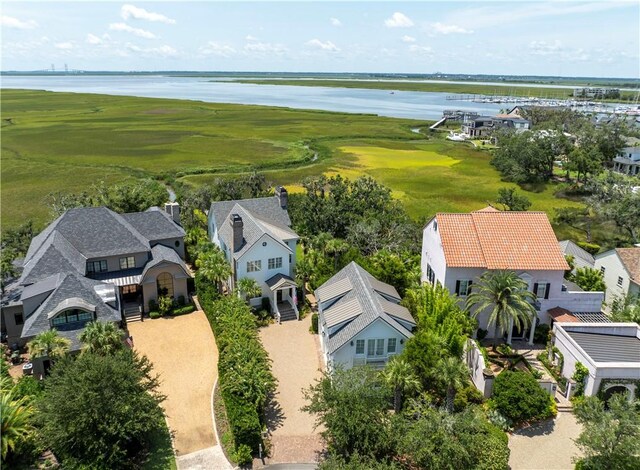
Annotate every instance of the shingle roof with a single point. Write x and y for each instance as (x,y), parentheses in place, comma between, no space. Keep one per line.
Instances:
(254,227)
(570,248)
(630,257)
(268,208)
(608,348)
(72,285)
(154,224)
(359,303)
(500,240)
(160,254)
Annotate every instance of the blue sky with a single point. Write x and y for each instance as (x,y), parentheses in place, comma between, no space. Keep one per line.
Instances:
(565,38)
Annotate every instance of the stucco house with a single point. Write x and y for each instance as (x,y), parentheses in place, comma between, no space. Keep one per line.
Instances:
(621,270)
(458,248)
(94,264)
(256,237)
(360,319)
(610,351)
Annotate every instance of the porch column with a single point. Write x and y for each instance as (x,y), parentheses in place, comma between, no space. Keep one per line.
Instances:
(274,306)
(533,329)
(510,332)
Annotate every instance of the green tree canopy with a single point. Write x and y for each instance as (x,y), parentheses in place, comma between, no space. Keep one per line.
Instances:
(589,279)
(48,344)
(512,201)
(101,338)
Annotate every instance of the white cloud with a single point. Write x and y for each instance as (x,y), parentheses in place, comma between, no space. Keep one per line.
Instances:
(11,22)
(162,51)
(130,11)
(441,28)
(335,22)
(130,29)
(422,50)
(545,48)
(65,46)
(398,20)
(325,46)
(248,37)
(265,48)
(406,38)
(93,39)
(217,49)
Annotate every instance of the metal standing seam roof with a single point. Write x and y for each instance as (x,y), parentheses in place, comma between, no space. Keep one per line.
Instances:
(342,312)
(570,248)
(608,348)
(125,277)
(369,302)
(500,240)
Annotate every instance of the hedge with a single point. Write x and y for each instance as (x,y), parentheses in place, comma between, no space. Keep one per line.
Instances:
(518,396)
(244,368)
(183,310)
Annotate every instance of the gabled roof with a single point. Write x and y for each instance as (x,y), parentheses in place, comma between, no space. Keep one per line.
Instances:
(267,208)
(254,227)
(154,224)
(360,302)
(630,258)
(493,239)
(160,254)
(570,248)
(72,286)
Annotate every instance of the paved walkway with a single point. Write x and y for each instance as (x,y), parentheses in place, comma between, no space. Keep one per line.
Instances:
(184,354)
(549,445)
(296,365)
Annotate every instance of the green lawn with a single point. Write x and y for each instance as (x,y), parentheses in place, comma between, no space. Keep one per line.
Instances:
(68,141)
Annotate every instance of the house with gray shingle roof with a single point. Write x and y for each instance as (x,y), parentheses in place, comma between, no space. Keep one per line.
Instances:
(92,264)
(360,319)
(256,237)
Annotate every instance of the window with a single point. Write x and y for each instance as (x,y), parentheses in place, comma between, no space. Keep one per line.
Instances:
(74,318)
(275,263)
(541,290)
(359,346)
(254,266)
(391,345)
(435,225)
(620,280)
(602,270)
(132,289)
(379,347)
(371,347)
(18,318)
(97,266)
(127,262)
(165,284)
(431,276)
(463,287)
(177,243)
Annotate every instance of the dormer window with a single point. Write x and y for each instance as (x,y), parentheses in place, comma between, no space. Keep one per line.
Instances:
(99,266)
(127,262)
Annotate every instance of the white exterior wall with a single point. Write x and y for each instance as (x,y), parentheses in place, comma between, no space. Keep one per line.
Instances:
(346,355)
(614,269)
(257,252)
(432,253)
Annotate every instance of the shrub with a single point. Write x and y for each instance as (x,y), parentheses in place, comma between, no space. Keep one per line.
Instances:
(314,323)
(153,305)
(164,305)
(517,396)
(183,310)
(590,247)
(481,334)
(541,335)
(154,314)
(466,396)
(580,374)
(266,304)
(242,455)
(181,300)
(499,421)
(244,421)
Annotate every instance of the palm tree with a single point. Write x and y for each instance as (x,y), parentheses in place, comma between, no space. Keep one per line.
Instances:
(101,338)
(16,417)
(48,344)
(249,288)
(337,246)
(399,374)
(304,271)
(454,374)
(507,296)
(214,267)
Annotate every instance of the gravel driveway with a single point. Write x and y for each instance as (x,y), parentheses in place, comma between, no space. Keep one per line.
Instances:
(296,365)
(548,445)
(184,353)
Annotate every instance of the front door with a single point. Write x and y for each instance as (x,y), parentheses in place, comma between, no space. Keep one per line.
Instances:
(279,296)
(130,293)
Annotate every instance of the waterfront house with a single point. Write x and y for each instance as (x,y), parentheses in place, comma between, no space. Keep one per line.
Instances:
(256,237)
(360,319)
(628,161)
(458,248)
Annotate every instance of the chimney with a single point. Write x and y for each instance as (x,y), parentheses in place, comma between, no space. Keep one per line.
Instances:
(236,226)
(281,193)
(173,209)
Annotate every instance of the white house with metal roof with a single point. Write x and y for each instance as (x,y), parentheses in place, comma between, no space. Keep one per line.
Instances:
(360,319)
(610,351)
(256,237)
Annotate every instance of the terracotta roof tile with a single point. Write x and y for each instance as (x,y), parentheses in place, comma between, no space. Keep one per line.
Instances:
(500,240)
(630,257)
(562,315)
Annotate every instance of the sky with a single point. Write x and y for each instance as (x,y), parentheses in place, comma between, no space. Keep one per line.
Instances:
(560,38)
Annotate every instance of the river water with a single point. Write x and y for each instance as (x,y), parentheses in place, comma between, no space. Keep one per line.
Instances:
(399,104)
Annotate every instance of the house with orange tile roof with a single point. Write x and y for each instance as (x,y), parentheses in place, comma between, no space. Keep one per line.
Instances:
(620,268)
(457,248)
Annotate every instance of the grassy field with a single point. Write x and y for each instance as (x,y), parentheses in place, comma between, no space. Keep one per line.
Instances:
(66,141)
(450,88)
